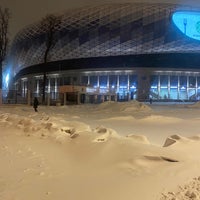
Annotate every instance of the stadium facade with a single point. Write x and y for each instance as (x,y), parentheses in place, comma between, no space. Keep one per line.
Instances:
(113,52)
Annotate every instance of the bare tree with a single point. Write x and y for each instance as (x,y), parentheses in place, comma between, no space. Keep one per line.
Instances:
(48,24)
(4,19)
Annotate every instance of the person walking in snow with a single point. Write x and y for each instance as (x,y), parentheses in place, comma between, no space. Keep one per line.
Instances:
(35,104)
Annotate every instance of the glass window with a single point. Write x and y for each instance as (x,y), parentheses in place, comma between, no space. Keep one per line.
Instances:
(154,93)
(173,93)
(113,80)
(198,81)
(173,81)
(123,80)
(183,94)
(198,94)
(154,81)
(183,82)
(133,79)
(133,82)
(93,80)
(164,93)
(66,80)
(192,81)
(103,80)
(84,80)
(163,81)
(192,94)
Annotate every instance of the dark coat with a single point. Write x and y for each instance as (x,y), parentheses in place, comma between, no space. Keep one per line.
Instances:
(35,103)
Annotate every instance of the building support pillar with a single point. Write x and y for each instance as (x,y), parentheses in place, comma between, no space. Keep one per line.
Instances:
(29,98)
(178,88)
(187,96)
(65,98)
(196,87)
(168,87)
(159,86)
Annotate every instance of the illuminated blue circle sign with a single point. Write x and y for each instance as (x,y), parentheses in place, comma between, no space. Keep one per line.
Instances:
(188,23)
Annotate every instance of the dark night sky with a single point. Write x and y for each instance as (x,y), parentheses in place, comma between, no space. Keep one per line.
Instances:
(25,12)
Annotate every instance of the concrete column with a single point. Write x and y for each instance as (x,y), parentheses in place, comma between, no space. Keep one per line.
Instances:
(98,81)
(65,97)
(56,85)
(49,85)
(88,80)
(117,82)
(29,98)
(37,89)
(178,87)
(128,84)
(108,81)
(159,86)
(128,96)
(168,86)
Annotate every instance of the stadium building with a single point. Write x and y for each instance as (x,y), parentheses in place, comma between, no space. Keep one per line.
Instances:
(115,52)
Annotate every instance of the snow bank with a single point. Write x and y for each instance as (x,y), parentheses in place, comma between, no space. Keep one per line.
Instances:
(195,105)
(173,139)
(131,106)
(91,158)
(138,138)
(160,119)
(191,190)
(44,127)
(105,134)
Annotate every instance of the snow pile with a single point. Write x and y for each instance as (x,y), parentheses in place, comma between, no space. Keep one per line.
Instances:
(160,119)
(173,139)
(138,138)
(188,191)
(195,105)
(105,134)
(131,106)
(119,118)
(44,127)
(67,145)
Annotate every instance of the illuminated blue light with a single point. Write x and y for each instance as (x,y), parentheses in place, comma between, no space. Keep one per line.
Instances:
(132,87)
(7,79)
(122,87)
(164,87)
(188,23)
(103,90)
(103,87)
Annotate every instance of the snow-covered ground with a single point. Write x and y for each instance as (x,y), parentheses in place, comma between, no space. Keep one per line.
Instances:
(110,151)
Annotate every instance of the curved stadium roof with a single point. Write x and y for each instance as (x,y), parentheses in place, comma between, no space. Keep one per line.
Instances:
(110,30)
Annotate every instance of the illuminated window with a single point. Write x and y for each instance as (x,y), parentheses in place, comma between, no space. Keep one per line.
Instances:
(103,81)
(188,23)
